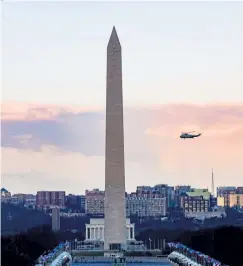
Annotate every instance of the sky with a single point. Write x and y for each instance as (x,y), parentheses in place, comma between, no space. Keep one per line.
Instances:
(182,70)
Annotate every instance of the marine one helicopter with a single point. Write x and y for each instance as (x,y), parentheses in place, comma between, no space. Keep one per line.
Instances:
(189,135)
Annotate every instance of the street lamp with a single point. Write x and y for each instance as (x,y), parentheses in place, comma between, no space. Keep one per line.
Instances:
(150,243)
(76,240)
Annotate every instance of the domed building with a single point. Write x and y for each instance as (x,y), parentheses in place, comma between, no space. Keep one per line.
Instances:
(5,195)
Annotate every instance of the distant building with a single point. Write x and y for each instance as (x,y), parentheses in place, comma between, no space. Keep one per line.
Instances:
(178,191)
(222,191)
(236,200)
(164,190)
(145,204)
(239,190)
(5,195)
(30,200)
(213,201)
(18,198)
(194,204)
(76,203)
(82,203)
(94,204)
(231,200)
(55,219)
(223,195)
(182,189)
(72,202)
(141,189)
(194,192)
(196,200)
(167,192)
(221,201)
(15,200)
(50,198)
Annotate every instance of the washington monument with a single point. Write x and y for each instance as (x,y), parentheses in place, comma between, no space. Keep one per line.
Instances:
(115,212)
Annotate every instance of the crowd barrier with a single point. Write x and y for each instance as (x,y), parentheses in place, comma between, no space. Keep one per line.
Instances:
(181,252)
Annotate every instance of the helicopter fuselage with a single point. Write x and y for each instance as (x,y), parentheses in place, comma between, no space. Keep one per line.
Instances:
(189,136)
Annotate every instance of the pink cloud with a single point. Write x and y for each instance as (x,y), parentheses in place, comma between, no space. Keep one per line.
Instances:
(31,111)
(211,119)
(152,143)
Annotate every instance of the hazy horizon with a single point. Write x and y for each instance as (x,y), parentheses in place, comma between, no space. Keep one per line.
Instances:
(182,71)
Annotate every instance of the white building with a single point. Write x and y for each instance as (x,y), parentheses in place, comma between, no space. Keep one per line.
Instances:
(94,201)
(95,230)
(145,204)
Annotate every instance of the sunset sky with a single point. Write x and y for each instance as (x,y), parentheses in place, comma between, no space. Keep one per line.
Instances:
(182,70)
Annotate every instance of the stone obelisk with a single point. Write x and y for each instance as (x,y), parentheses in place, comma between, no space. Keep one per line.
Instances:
(115,212)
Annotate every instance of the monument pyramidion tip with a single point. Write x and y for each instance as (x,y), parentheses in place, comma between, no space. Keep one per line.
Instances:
(114,42)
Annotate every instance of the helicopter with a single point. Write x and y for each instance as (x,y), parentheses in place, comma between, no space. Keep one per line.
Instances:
(189,135)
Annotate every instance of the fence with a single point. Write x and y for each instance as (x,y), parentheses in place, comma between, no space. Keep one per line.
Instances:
(149,245)
(195,256)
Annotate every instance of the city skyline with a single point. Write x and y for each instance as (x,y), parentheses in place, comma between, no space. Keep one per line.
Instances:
(137,189)
(177,77)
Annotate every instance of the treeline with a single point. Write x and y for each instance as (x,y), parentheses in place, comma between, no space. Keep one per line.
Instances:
(25,248)
(15,218)
(222,243)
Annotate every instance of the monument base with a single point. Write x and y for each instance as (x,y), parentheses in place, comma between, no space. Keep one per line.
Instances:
(114,254)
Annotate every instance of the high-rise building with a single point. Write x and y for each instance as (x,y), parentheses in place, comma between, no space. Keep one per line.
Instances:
(43,198)
(94,204)
(115,214)
(167,192)
(73,202)
(145,204)
(76,203)
(141,204)
(55,217)
(82,203)
(50,198)
(164,190)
